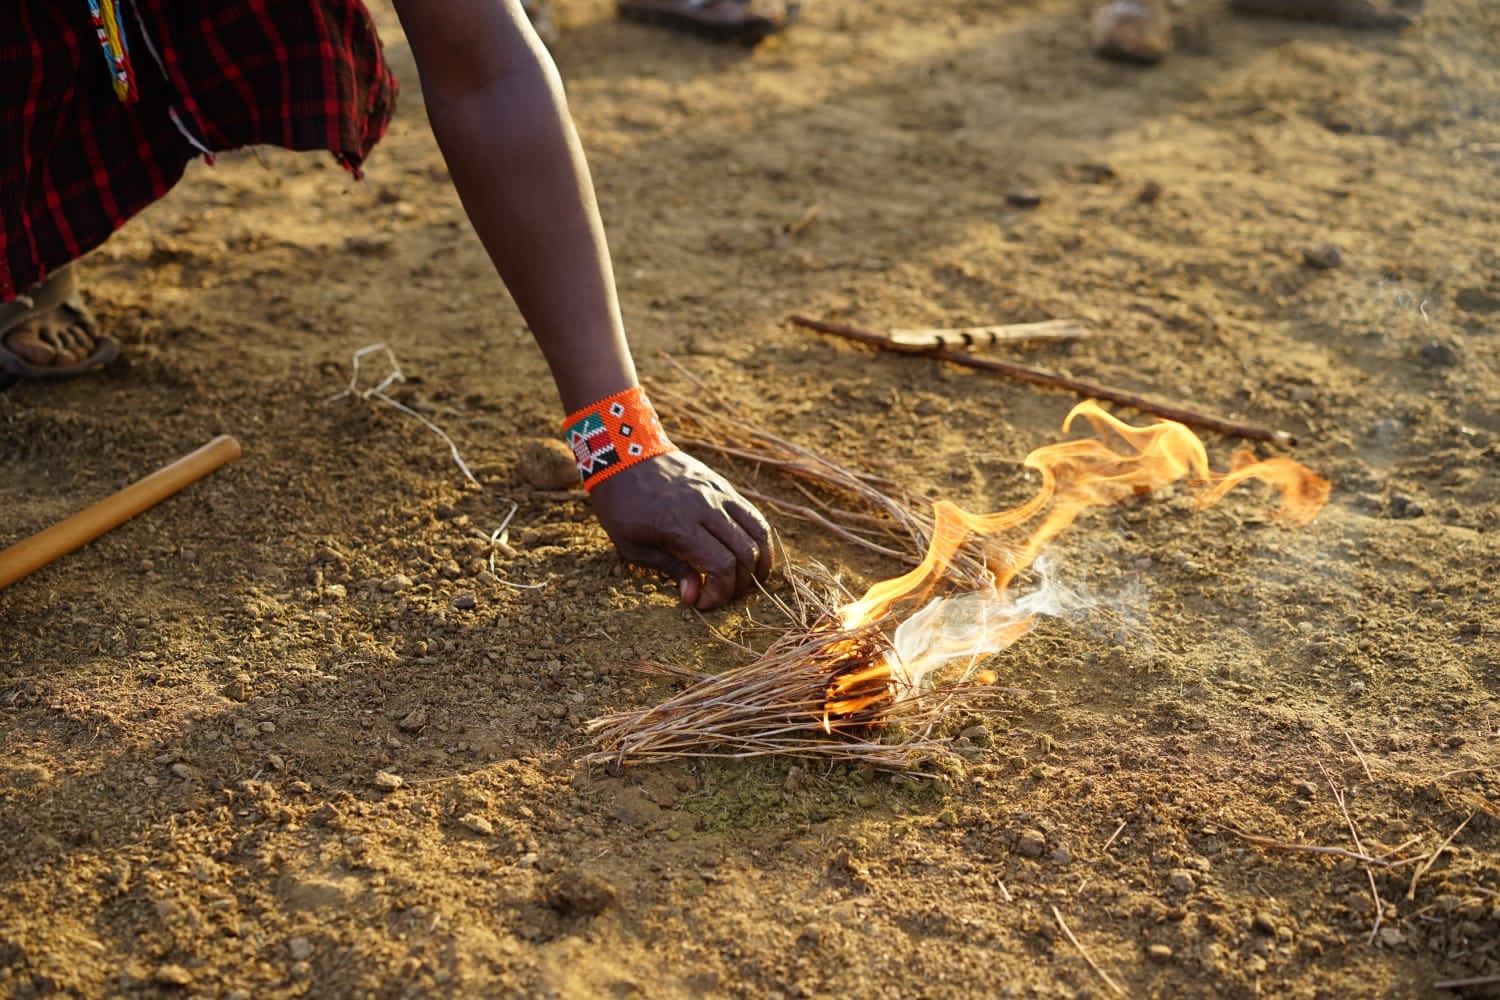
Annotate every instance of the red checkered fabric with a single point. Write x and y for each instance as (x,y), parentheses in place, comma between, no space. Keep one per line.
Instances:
(76,163)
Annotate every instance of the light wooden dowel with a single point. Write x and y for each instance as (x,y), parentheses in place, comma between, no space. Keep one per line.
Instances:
(31,554)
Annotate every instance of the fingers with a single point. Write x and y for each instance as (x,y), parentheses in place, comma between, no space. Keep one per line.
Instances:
(754,525)
(720,567)
(740,575)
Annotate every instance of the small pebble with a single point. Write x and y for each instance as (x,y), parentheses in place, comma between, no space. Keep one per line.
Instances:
(1404,507)
(1323,256)
(368,245)
(300,948)
(172,975)
(979,735)
(1096,172)
(475,823)
(1031,843)
(336,591)
(548,464)
(465,601)
(1265,922)
(183,771)
(1159,953)
(1439,354)
(1149,192)
(387,782)
(1023,199)
(575,893)
(1181,880)
(396,584)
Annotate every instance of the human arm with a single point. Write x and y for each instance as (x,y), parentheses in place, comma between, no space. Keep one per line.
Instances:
(499,115)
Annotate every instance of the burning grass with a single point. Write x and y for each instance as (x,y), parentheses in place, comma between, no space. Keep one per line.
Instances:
(871,679)
(819,690)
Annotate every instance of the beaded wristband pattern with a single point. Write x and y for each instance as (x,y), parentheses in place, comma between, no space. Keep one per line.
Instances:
(613,434)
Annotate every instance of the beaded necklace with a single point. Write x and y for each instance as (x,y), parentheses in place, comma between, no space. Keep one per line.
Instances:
(116,52)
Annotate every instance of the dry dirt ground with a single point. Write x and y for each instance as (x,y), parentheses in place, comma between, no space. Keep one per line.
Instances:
(195,708)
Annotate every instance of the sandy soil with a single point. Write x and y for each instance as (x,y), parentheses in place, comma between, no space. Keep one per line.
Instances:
(194,710)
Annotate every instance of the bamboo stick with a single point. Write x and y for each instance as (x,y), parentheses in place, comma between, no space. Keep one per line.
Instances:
(31,554)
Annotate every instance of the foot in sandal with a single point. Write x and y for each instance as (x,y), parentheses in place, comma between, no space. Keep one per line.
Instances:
(50,334)
(745,21)
(1349,13)
(1133,31)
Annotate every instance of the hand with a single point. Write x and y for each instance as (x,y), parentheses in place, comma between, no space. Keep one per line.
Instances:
(675,514)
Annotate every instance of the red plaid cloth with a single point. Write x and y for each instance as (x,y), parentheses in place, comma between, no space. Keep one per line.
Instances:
(76,163)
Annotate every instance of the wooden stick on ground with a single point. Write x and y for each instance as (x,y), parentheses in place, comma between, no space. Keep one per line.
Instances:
(31,554)
(1463,984)
(924,340)
(1053,380)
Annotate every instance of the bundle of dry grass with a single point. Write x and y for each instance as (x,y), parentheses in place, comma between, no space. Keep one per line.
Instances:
(819,690)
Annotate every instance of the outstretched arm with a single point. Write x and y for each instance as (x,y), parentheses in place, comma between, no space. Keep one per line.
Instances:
(498,112)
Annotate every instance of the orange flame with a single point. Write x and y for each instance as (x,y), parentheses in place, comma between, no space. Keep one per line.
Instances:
(1120,462)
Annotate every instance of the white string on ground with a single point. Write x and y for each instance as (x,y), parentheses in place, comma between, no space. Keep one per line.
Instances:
(377,391)
(501,536)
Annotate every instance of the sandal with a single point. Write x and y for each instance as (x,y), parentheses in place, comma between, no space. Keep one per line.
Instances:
(1133,31)
(57,293)
(745,21)
(1348,13)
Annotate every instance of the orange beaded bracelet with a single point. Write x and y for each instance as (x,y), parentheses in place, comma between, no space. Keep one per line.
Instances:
(613,434)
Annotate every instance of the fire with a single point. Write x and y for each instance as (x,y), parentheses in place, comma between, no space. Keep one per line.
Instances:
(1121,461)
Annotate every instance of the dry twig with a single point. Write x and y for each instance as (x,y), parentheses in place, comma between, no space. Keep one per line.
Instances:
(1362,762)
(1338,797)
(1411,891)
(1086,956)
(1336,852)
(1054,380)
